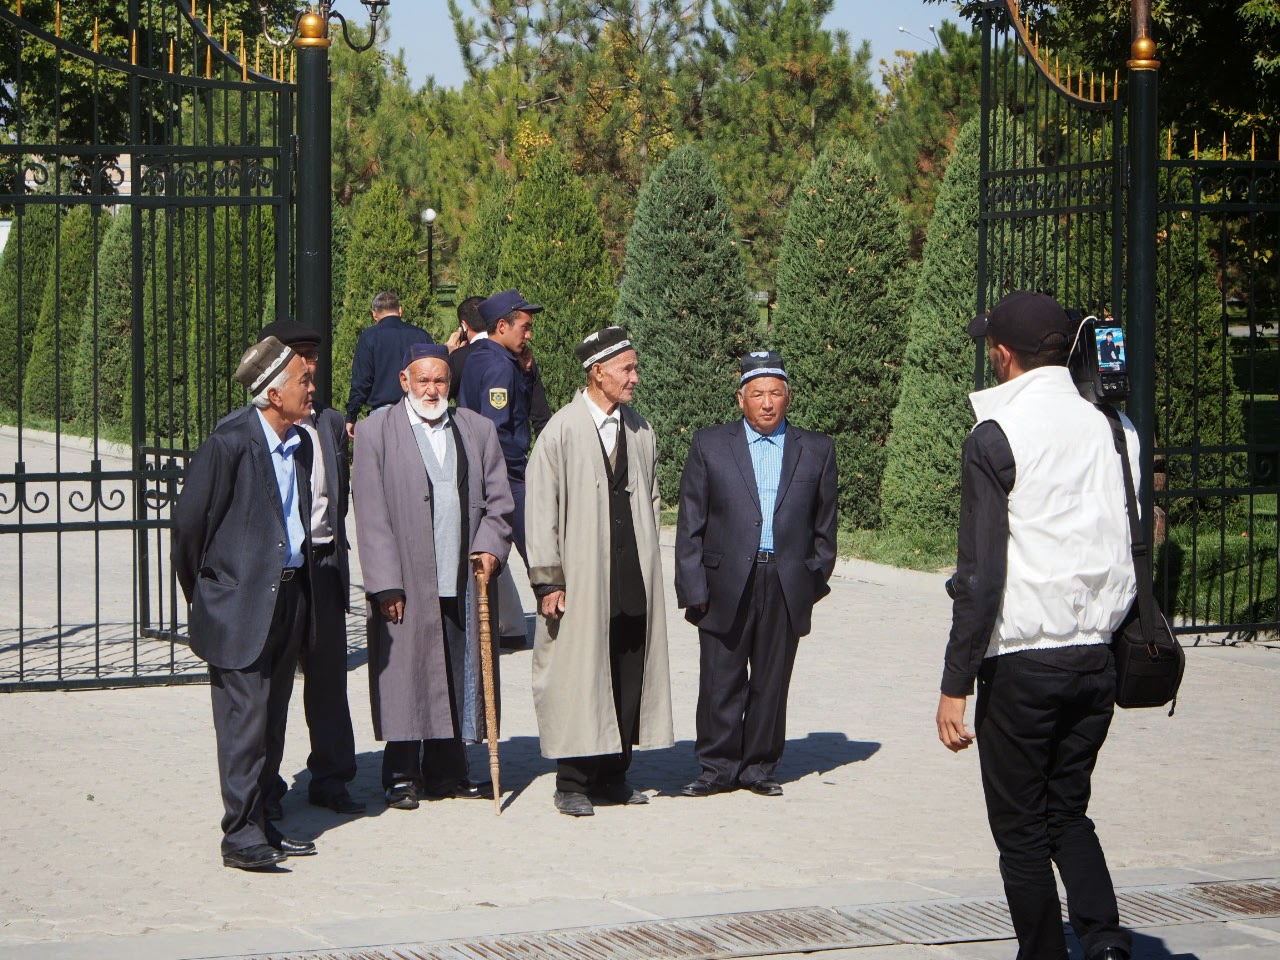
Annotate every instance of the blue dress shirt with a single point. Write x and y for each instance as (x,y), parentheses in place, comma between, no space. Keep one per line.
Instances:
(766,460)
(285,466)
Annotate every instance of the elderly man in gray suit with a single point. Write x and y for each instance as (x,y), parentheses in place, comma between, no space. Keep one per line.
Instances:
(241,549)
(755,545)
(430,490)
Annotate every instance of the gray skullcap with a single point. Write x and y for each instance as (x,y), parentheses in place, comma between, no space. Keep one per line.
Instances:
(262,363)
(601,346)
(1025,321)
(761,363)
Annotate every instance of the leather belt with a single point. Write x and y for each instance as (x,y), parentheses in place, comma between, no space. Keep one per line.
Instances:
(288,573)
(764,556)
(322,550)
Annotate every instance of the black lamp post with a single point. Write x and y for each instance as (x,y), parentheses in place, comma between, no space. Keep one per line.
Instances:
(429,218)
(310,37)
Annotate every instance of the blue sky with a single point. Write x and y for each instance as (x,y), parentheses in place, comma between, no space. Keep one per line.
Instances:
(422,29)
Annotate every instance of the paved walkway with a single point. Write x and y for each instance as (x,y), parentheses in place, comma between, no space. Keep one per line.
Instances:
(109,812)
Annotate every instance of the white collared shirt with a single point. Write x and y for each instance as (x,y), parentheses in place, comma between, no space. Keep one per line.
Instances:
(606,424)
(436,432)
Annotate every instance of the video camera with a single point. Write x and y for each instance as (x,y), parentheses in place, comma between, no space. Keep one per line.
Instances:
(1097,360)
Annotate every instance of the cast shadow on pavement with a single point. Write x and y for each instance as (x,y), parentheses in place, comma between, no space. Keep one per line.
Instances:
(1145,947)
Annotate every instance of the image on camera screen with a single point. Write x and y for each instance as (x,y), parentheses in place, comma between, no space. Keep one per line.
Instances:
(1110,348)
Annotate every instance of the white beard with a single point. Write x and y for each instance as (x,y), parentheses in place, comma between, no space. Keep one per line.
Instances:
(428,410)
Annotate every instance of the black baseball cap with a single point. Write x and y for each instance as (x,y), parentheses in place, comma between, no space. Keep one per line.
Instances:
(1025,321)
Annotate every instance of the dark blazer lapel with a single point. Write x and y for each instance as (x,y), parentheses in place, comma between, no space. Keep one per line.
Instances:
(263,464)
(738,445)
(790,457)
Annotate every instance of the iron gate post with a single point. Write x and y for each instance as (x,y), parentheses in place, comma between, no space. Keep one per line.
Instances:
(1140,293)
(315,301)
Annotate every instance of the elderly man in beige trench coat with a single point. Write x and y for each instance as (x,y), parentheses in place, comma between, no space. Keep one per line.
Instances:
(601,682)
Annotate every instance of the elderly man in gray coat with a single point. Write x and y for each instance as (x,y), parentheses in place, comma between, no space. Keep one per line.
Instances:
(600,675)
(430,490)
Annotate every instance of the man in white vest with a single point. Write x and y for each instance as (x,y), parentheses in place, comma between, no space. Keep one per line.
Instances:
(1044,574)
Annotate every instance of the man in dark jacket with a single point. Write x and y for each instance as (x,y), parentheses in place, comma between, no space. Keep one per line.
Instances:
(332,762)
(755,545)
(375,367)
(240,551)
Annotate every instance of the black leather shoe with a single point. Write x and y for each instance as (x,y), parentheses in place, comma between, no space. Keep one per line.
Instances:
(765,788)
(338,803)
(259,857)
(622,794)
(574,804)
(403,796)
(704,788)
(292,848)
(463,790)
(272,809)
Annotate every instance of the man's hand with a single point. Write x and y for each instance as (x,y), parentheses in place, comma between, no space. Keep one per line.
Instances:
(526,358)
(351,431)
(951,729)
(393,609)
(488,564)
(456,339)
(553,605)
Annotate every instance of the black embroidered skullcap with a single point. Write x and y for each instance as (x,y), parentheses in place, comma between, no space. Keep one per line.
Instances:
(761,363)
(420,351)
(602,345)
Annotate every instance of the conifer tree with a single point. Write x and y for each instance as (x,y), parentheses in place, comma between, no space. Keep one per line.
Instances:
(555,255)
(47,383)
(482,245)
(23,271)
(382,255)
(684,300)
(103,362)
(921,489)
(840,317)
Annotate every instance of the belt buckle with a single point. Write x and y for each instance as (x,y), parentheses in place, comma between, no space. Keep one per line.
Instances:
(764,556)
(287,574)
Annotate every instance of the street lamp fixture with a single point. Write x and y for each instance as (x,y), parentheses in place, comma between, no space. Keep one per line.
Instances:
(937,43)
(325,12)
(429,218)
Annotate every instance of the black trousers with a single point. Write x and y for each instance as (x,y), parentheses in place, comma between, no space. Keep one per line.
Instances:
(332,762)
(439,764)
(626,668)
(250,707)
(743,680)
(517,518)
(1039,730)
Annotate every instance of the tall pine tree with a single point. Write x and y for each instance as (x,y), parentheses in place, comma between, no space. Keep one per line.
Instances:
(839,322)
(482,246)
(555,254)
(921,489)
(685,302)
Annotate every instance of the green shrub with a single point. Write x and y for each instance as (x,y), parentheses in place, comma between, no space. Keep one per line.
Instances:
(685,302)
(840,319)
(921,489)
(555,254)
(23,271)
(103,362)
(482,244)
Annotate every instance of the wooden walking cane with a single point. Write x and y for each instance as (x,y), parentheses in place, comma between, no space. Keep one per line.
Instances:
(486,672)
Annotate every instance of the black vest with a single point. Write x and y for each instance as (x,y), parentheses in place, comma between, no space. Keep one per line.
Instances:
(626,580)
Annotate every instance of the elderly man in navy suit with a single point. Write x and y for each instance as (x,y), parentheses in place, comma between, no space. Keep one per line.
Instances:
(241,546)
(755,545)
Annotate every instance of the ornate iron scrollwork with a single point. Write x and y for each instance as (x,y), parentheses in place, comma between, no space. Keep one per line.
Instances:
(112,500)
(39,503)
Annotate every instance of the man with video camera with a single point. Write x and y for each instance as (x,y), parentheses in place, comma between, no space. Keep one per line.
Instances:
(1044,574)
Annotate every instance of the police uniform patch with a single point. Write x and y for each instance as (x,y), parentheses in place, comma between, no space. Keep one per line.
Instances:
(498,398)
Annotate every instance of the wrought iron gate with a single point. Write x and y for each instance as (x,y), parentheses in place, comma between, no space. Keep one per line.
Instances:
(147,169)
(1057,183)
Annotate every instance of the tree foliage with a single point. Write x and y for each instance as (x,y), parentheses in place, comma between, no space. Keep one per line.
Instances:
(47,385)
(382,255)
(23,272)
(478,260)
(685,303)
(103,360)
(921,489)
(839,324)
(554,252)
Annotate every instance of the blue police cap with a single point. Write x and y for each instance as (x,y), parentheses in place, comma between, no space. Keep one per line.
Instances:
(500,304)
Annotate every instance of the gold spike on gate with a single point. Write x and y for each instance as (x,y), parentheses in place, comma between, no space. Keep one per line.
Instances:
(226,37)
(96,47)
(1195,145)
(244,64)
(57,20)
(1168,144)
(1224,144)
(172,53)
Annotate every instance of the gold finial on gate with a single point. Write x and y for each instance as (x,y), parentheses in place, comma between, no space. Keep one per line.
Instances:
(1168,144)
(226,35)
(208,61)
(257,55)
(19,10)
(1224,144)
(1195,145)
(244,64)
(133,48)
(1253,146)
(172,53)
(96,47)
(57,20)
(1092,98)
(293,68)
